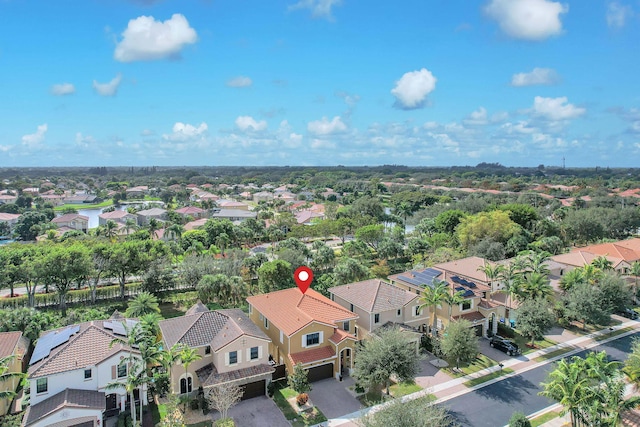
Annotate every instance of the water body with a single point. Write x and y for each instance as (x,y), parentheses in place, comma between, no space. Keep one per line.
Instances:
(409,228)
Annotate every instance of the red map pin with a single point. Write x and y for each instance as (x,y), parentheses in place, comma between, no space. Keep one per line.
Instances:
(303,277)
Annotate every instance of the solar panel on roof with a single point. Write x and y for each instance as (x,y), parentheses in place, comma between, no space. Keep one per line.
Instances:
(468,293)
(411,280)
(118,327)
(471,284)
(455,279)
(50,341)
(460,288)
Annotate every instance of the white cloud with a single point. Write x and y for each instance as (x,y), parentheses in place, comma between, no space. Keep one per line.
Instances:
(240,81)
(556,109)
(477,118)
(146,39)
(248,124)
(413,87)
(527,19)
(522,127)
(186,132)
(63,89)
(110,88)
(5,148)
(319,8)
(147,132)
(84,140)
(617,14)
(321,144)
(326,127)
(537,76)
(33,140)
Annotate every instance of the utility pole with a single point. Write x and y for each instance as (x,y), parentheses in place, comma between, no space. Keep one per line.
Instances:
(562,162)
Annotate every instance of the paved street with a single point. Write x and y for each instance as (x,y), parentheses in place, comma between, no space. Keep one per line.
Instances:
(494,404)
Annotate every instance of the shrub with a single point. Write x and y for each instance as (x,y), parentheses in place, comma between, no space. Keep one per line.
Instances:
(505,331)
(518,419)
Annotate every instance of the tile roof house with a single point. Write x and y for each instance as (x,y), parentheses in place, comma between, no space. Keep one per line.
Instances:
(7,198)
(12,344)
(377,302)
(73,221)
(10,219)
(234,215)
(120,217)
(580,258)
(231,204)
(145,215)
(70,369)
(192,211)
(463,275)
(306,328)
(628,250)
(233,350)
(138,191)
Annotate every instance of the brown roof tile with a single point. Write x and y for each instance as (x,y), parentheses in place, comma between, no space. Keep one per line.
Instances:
(290,310)
(8,342)
(313,355)
(70,398)
(471,317)
(374,295)
(209,375)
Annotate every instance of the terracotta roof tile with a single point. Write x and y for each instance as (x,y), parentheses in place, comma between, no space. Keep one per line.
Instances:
(340,335)
(290,310)
(615,250)
(313,355)
(466,267)
(471,317)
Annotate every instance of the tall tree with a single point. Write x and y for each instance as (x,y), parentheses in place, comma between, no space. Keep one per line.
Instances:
(535,285)
(459,343)
(567,385)
(534,318)
(433,295)
(141,304)
(414,413)
(6,375)
(64,265)
(222,397)
(187,356)
(493,273)
(275,275)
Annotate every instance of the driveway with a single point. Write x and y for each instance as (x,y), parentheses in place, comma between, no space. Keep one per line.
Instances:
(490,352)
(257,412)
(333,399)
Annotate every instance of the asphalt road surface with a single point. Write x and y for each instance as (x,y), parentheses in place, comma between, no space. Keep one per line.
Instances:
(493,405)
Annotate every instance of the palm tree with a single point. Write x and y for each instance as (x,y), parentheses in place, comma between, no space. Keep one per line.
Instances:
(535,285)
(591,274)
(536,262)
(175,231)
(404,210)
(141,304)
(568,385)
(110,229)
(134,380)
(238,291)
(614,402)
(572,278)
(452,299)
(510,278)
(432,296)
(632,364)
(187,356)
(493,272)
(602,263)
(130,225)
(7,375)
(153,226)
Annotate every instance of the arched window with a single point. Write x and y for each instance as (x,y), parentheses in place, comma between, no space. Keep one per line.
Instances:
(186,385)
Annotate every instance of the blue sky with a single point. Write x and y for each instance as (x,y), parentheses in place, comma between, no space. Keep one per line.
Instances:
(319,82)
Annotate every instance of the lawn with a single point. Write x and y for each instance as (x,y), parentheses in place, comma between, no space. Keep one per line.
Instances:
(479,364)
(523,343)
(613,334)
(104,204)
(402,389)
(280,397)
(169,310)
(538,421)
(554,353)
(576,327)
(488,377)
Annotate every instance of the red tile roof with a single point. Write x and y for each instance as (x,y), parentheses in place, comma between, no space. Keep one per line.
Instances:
(471,317)
(340,335)
(290,310)
(314,355)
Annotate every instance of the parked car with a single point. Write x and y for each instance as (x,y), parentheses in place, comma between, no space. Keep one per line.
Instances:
(505,345)
(628,313)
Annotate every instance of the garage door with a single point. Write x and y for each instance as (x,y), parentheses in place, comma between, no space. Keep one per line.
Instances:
(322,372)
(254,389)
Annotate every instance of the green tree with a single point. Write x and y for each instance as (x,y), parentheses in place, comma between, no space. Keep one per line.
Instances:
(349,270)
(635,272)
(459,343)
(616,294)
(584,303)
(535,285)
(447,221)
(298,380)
(495,225)
(30,225)
(493,273)
(133,381)
(518,419)
(388,353)
(433,295)
(452,299)
(126,259)
(571,279)
(414,413)
(187,356)
(7,375)
(141,304)
(602,263)
(275,275)
(64,265)
(567,384)
(371,235)
(534,318)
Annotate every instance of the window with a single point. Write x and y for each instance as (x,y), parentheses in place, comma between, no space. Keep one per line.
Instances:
(233,358)
(122,370)
(376,318)
(313,339)
(254,353)
(186,385)
(417,310)
(87,374)
(466,305)
(399,312)
(266,323)
(250,309)
(207,350)
(345,325)
(41,385)
(281,337)
(350,307)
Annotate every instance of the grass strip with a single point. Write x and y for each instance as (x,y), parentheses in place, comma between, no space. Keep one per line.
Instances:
(483,379)
(613,334)
(538,421)
(554,353)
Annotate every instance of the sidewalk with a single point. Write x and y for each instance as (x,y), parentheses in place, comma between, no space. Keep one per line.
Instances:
(455,387)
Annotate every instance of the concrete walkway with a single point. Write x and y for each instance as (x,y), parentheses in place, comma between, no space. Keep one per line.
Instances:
(452,388)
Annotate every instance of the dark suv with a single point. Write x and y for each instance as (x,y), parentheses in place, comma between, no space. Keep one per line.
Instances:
(628,313)
(505,345)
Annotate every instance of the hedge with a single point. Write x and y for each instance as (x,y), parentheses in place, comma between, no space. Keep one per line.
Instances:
(77,296)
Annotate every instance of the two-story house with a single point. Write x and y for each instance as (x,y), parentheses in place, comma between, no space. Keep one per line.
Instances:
(378,303)
(118,216)
(306,328)
(192,211)
(467,277)
(14,346)
(73,221)
(70,371)
(232,350)
(145,215)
